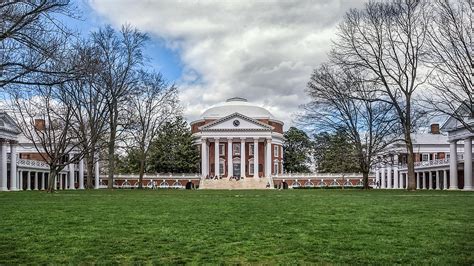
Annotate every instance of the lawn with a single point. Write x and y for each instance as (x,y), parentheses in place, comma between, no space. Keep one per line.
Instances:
(256,227)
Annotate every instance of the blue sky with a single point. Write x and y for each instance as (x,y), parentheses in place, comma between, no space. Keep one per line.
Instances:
(212,50)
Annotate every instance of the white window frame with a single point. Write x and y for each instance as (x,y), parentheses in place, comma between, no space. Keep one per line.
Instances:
(275,151)
(251,147)
(236,149)
(221,149)
(221,164)
(435,156)
(251,167)
(423,157)
(275,167)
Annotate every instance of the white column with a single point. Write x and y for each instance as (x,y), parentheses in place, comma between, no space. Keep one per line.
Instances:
(43,179)
(242,157)
(81,174)
(268,158)
(60,181)
(3,165)
(382,177)
(255,157)
(204,158)
(453,165)
(418,180)
(28,180)
(71,176)
(445,179)
(438,187)
(389,176)
(468,164)
(424,180)
(36,181)
(216,157)
(96,174)
(377,176)
(13,171)
(230,166)
(395,172)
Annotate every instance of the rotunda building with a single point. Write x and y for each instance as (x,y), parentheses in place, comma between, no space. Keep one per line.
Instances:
(239,139)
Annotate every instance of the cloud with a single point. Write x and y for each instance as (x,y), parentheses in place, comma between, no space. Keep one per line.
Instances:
(262,50)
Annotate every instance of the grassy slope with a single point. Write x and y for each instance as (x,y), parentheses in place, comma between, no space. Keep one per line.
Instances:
(330,226)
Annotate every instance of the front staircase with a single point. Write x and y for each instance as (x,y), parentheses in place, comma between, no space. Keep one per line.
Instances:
(246,183)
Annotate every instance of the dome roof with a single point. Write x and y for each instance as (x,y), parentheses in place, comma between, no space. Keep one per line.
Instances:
(237,105)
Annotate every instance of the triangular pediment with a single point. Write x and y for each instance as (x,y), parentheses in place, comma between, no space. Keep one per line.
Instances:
(236,121)
(8,127)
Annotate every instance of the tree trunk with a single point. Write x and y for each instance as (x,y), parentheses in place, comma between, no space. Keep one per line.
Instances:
(52,180)
(90,170)
(111,166)
(365,179)
(410,163)
(141,172)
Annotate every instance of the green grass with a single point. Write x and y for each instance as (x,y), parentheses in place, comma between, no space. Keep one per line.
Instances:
(256,227)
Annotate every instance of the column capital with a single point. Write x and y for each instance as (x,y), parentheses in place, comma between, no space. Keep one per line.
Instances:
(3,141)
(230,139)
(243,138)
(255,139)
(13,142)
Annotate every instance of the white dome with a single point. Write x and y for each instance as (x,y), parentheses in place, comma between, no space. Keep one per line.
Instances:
(236,105)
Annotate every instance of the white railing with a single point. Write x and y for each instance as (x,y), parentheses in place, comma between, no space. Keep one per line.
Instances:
(32,164)
(435,162)
(318,175)
(155,176)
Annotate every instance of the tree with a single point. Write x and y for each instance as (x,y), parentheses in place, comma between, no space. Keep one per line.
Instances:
(297,151)
(450,44)
(174,150)
(120,55)
(342,102)
(45,117)
(31,36)
(152,104)
(335,153)
(386,42)
(91,113)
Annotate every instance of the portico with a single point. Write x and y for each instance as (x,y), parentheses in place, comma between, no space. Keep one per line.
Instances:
(239,140)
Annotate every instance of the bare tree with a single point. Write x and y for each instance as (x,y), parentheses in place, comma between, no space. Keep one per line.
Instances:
(450,44)
(45,117)
(342,102)
(387,41)
(151,105)
(30,37)
(90,112)
(120,56)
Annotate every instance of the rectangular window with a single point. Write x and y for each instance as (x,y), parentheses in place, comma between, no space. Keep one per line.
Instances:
(251,149)
(425,157)
(275,151)
(221,168)
(221,149)
(251,169)
(236,149)
(436,156)
(275,168)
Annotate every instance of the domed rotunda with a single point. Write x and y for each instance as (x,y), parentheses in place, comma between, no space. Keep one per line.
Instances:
(244,139)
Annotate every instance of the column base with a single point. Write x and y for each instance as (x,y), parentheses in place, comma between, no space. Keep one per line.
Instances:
(453,188)
(468,188)
(14,189)
(4,189)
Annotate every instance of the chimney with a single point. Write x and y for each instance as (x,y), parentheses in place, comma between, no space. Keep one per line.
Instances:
(434,129)
(40,124)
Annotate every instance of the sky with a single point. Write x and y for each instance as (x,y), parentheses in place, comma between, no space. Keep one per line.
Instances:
(261,50)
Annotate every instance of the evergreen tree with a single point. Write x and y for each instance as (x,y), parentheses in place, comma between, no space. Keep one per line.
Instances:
(297,151)
(173,150)
(334,153)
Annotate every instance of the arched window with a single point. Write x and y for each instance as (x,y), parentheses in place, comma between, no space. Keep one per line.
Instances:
(309,184)
(164,184)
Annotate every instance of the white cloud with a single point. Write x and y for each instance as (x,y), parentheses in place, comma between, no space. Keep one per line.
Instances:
(262,50)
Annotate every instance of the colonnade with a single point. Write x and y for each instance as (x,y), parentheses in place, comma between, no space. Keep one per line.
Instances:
(230,141)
